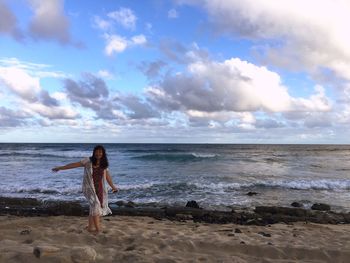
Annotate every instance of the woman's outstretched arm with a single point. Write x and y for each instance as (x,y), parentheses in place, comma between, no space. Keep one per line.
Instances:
(110,182)
(67,166)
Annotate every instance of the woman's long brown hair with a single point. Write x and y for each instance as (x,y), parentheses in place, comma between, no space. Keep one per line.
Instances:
(104,160)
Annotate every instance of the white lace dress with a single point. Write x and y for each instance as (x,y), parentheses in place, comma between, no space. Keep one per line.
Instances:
(89,191)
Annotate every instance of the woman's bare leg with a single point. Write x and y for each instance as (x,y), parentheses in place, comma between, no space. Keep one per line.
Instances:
(96,220)
(91,224)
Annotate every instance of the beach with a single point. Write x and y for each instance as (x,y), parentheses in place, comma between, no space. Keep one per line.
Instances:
(145,239)
(254,203)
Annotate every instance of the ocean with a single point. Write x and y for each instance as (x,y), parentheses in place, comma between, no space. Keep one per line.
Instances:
(217,176)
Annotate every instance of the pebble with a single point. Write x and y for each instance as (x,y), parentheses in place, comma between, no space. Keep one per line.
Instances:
(25,232)
(264,234)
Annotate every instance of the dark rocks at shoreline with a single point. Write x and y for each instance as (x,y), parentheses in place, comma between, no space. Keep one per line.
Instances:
(275,210)
(192,204)
(122,203)
(321,207)
(9,201)
(130,204)
(65,208)
(288,215)
(34,207)
(296,204)
(251,193)
(262,215)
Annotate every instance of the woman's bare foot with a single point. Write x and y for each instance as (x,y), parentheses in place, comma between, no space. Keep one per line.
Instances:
(92,231)
(87,228)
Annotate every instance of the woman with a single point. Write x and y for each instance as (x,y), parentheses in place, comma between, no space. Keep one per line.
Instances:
(95,173)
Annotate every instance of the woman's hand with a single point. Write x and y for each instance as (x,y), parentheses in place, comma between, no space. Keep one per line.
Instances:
(56,169)
(114,190)
(67,166)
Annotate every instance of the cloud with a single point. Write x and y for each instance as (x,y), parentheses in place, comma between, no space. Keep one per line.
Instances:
(179,53)
(101,24)
(269,124)
(89,93)
(111,112)
(10,118)
(173,50)
(47,99)
(118,44)
(172,13)
(152,69)
(317,102)
(115,44)
(318,120)
(232,85)
(136,108)
(20,82)
(228,121)
(53,112)
(105,74)
(8,22)
(26,86)
(59,96)
(297,35)
(139,40)
(125,17)
(32,97)
(49,22)
(34,69)
(211,119)
(93,93)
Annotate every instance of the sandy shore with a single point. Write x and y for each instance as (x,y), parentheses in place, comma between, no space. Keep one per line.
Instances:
(143,239)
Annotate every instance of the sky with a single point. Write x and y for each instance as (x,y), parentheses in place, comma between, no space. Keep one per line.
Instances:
(175,71)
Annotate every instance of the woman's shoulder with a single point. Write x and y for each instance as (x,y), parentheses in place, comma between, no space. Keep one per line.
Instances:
(85,161)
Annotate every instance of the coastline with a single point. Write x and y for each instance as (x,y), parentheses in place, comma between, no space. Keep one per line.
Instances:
(261,215)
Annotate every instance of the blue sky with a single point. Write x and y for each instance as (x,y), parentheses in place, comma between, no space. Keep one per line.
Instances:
(190,71)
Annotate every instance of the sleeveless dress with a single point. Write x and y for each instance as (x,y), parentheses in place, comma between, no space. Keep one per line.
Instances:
(97,177)
(98,199)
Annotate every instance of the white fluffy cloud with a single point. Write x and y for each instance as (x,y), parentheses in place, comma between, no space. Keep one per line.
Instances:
(115,44)
(118,44)
(101,24)
(33,69)
(124,17)
(23,79)
(303,35)
(139,40)
(53,112)
(20,82)
(233,85)
(103,73)
(32,97)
